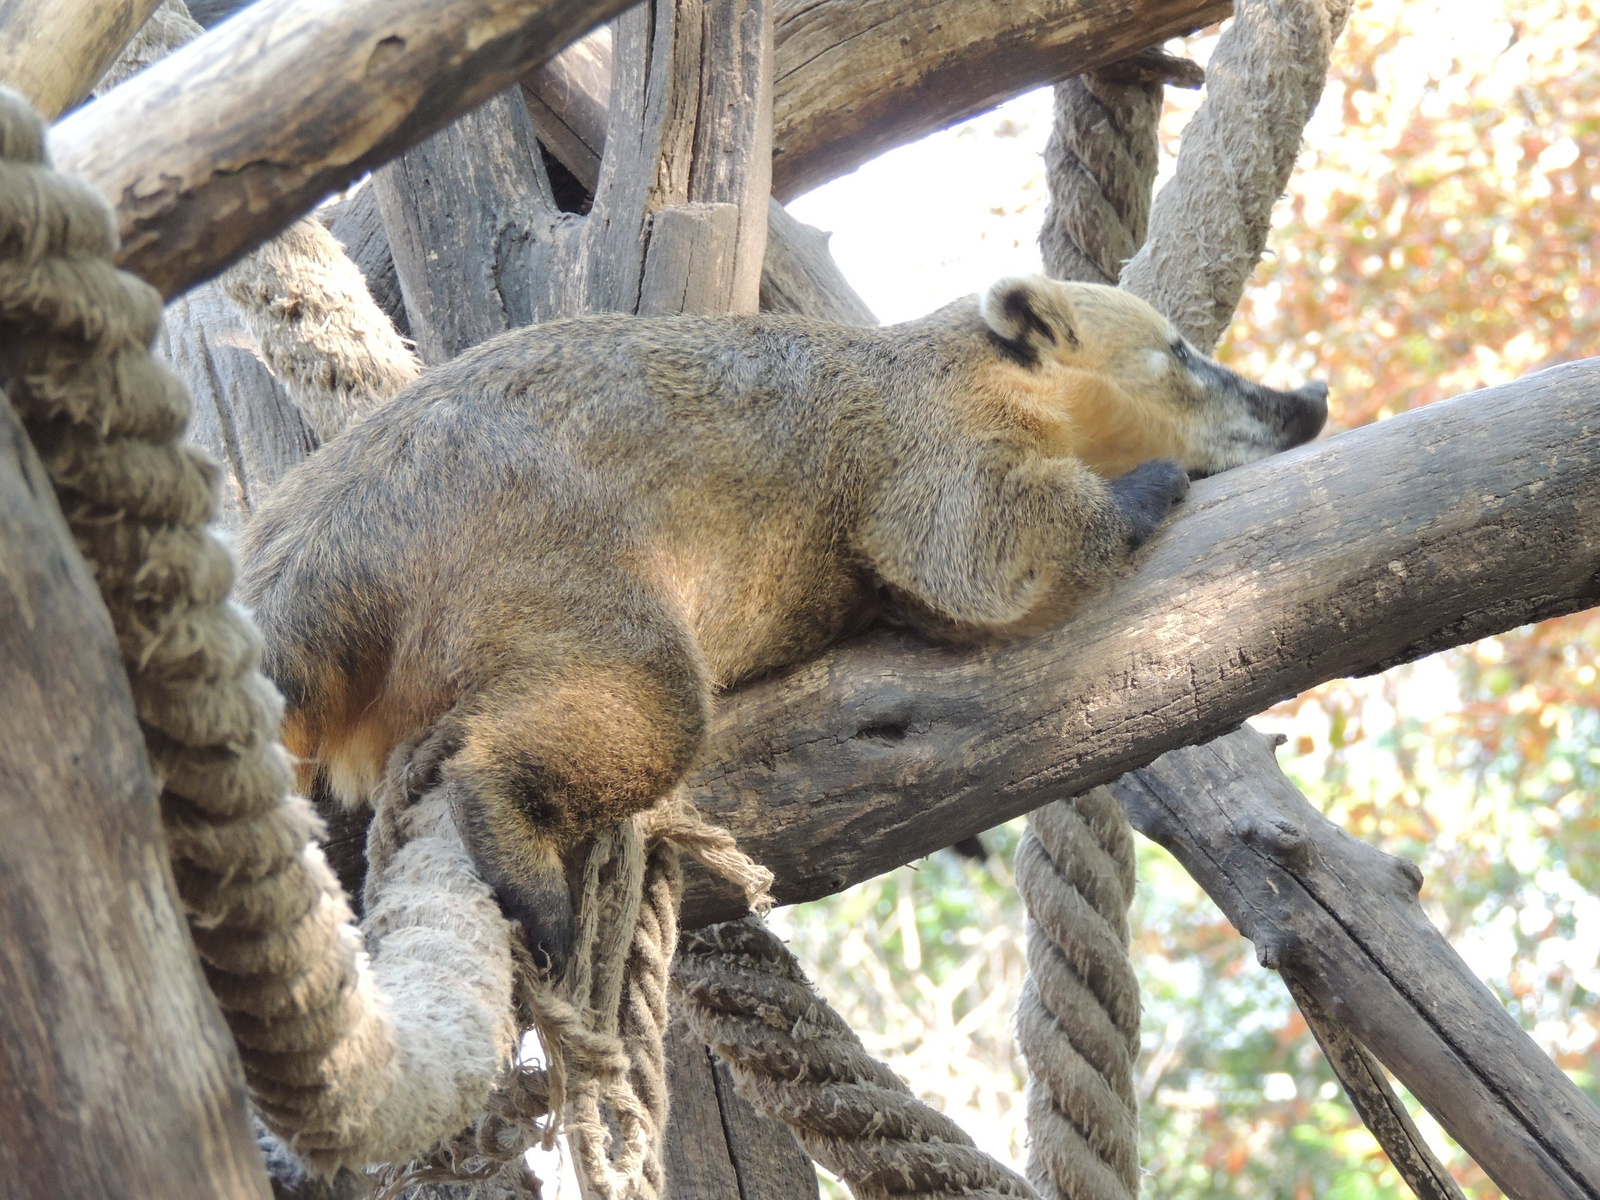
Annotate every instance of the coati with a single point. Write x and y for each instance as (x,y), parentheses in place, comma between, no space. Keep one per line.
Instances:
(561,544)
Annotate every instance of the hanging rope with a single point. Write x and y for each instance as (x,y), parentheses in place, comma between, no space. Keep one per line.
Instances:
(1078,1015)
(1100,163)
(328,1066)
(1209,224)
(331,1068)
(352,1064)
(318,328)
(602,1025)
(796,1060)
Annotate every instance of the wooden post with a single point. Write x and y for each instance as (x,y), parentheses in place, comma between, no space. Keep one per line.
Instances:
(117,1074)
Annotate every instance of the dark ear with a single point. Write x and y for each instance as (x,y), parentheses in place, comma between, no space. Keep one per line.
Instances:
(1028,316)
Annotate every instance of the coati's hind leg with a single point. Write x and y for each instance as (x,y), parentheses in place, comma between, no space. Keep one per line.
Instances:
(550,753)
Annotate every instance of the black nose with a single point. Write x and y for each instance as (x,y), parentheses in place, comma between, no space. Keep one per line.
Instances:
(1308,412)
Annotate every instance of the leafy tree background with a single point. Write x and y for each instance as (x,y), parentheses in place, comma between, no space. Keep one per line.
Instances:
(1439,235)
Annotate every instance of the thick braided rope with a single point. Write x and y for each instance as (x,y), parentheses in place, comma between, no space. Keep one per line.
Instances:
(615,998)
(1209,224)
(1100,163)
(1078,1015)
(796,1060)
(302,300)
(329,1067)
(318,328)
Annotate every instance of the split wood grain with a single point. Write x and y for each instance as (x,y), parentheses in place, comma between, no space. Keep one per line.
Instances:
(53,51)
(1341,921)
(225,142)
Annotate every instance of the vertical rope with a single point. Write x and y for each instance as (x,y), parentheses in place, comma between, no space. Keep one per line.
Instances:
(1078,1016)
(1209,224)
(331,1065)
(1101,161)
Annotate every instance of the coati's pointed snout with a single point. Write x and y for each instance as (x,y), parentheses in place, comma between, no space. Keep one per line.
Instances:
(1307,410)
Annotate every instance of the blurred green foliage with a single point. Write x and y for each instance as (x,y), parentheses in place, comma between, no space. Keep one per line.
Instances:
(1439,236)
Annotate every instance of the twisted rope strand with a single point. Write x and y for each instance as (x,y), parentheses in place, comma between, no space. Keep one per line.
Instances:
(1210,222)
(333,1067)
(795,1059)
(1078,1015)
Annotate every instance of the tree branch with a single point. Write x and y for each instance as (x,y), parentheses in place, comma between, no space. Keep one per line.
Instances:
(1341,921)
(1438,527)
(55,50)
(854,80)
(207,154)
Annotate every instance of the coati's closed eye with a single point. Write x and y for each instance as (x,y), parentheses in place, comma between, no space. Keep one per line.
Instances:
(1180,351)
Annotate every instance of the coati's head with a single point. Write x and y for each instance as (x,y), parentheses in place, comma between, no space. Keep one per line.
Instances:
(1114,383)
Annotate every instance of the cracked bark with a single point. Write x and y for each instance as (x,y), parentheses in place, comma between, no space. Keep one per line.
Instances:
(117,1074)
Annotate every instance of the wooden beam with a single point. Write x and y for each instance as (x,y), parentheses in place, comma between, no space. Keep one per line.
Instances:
(1441,526)
(117,1075)
(1341,921)
(207,154)
(854,80)
(54,51)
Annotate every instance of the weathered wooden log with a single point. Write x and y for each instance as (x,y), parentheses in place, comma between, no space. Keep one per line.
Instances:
(569,102)
(1341,921)
(1438,527)
(117,1075)
(53,51)
(206,154)
(461,210)
(718,1146)
(508,256)
(852,80)
(240,412)
(1362,1075)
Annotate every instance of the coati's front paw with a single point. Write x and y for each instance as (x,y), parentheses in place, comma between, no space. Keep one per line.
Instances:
(1146,494)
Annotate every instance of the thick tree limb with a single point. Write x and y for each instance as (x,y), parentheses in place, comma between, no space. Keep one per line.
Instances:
(1341,921)
(207,154)
(854,80)
(117,1076)
(55,50)
(1444,525)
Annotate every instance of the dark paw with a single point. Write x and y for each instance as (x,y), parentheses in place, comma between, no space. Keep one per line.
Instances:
(1146,494)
